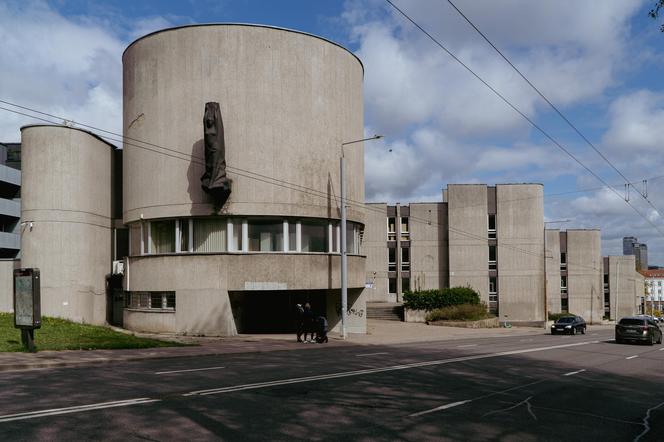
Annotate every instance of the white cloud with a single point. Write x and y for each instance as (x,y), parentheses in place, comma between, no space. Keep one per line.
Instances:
(637,124)
(65,66)
(571,50)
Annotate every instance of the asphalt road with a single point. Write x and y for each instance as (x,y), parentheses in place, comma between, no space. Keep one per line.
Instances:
(534,388)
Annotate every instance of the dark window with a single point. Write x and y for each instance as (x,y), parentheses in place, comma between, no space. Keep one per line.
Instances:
(392,285)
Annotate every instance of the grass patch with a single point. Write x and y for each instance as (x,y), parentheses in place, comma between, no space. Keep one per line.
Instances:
(463,312)
(60,334)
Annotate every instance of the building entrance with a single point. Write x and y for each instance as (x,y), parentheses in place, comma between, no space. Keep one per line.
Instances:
(273,311)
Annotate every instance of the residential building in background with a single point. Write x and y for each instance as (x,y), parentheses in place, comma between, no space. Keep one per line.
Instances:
(10,200)
(492,238)
(654,280)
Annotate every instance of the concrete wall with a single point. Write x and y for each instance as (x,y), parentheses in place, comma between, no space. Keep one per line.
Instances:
(553,270)
(374,246)
(288,100)
(428,246)
(202,284)
(66,204)
(468,243)
(585,275)
(520,233)
(625,286)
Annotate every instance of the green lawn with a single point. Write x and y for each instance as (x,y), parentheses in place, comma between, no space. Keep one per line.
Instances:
(59,334)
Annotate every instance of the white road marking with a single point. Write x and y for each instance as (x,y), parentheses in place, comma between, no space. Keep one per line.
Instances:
(632,357)
(574,372)
(454,404)
(373,354)
(661,349)
(467,345)
(192,369)
(75,409)
(442,407)
(344,374)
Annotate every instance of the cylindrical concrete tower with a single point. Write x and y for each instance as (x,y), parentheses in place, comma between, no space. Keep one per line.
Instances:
(288,101)
(66,213)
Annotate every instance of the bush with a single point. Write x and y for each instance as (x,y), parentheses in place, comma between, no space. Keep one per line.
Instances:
(556,316)
(433,299)
(463,312)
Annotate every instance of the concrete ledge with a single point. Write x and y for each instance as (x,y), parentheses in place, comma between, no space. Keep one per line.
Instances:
(482,323)
(414,315)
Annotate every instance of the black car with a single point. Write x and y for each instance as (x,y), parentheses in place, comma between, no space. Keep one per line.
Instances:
(638,328)
(569,324)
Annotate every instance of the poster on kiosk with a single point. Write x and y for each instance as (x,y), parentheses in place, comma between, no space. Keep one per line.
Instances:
(27,308)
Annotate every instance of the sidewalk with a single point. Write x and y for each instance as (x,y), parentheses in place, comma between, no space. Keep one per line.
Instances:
(378,333)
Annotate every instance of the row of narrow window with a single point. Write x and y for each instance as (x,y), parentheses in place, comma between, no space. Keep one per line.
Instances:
(210,235)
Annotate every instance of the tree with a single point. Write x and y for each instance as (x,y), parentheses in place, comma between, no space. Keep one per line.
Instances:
(654,12)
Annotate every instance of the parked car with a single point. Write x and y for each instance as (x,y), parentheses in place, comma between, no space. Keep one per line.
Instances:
(638,328)
(569,324)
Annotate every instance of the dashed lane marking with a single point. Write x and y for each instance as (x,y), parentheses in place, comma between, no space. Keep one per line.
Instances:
(442,407)
(372,354)
(75,409)
(186,371)
(467,345)
(571,373)
(632,357)
(344,374)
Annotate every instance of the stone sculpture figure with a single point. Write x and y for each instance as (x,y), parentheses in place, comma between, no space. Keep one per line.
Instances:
(214,181)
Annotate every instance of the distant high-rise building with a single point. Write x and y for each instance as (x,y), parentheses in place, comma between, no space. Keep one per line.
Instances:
(628,245)
(632,246)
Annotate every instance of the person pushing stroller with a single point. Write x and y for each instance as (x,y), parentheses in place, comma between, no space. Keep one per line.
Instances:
(321,329)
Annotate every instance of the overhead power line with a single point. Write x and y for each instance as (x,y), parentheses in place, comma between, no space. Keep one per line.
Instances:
(259,177)
(524,116)
(555,108)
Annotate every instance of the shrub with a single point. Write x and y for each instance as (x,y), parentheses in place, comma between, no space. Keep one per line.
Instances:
(433,299)
(463,312)
(556,316)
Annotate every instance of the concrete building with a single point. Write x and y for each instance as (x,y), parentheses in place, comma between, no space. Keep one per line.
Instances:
(574,273)
(288,100)
(492,238)
(654,281)
(10,200)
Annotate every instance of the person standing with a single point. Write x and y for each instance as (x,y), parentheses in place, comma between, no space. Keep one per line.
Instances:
(309,323)
(300,322)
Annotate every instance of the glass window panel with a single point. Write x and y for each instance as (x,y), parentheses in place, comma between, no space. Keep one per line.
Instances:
(156,300)
(351,239)
(292,232)
(145,227)
(335,237)
(210,235)
(135,239)
(391,259)
(184,235)
(236,244)
(392,285)
(492,253)
(163,236)
(266,235)
(405,284)
(314,236)
(170,301)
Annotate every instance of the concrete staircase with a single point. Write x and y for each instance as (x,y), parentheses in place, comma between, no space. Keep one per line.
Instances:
(386,311)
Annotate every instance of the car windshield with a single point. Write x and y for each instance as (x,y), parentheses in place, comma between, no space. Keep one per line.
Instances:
(566,319)
(631,321)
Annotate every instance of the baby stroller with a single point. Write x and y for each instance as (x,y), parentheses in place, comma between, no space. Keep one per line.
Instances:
(321,330)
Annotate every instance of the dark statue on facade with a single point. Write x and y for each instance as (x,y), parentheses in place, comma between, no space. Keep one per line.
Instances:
(214,181)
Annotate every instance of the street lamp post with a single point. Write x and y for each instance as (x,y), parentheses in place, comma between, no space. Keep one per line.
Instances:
(344,257)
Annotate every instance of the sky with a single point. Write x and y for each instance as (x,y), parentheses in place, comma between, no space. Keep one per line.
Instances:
(598,63)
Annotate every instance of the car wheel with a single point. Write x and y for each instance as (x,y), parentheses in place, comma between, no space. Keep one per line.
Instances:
(660,339)
(652,340)
(618,340)
(583,331)
(573,331)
